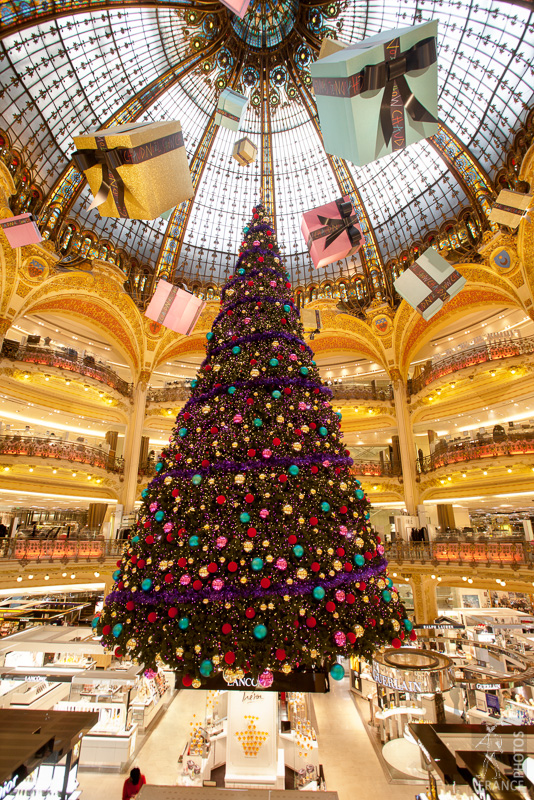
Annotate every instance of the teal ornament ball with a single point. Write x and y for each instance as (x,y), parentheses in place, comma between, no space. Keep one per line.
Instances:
(323,431)
(367,515)
(196,480)
(287,308)
(408,624)
(357,483)
(182,432)
(147,583)
(389,582)
(359,560)
(209,336)
(206,668)
(183,623)
(298,550)
(135,538)
(337,672)
(144,493)
(256,564)
(325,506)
(293,469)
(236,350)
(260,632)
(386,596)
(193,541)
(116,575)
(276,394)
(273,362)
(318,593)
(160,515)
(241,271)
(159,466)
(95,622)
(231,390)
(314,364)
(117,630)
(258,422)
(359,494)
(194,384)
(246,230)
(339,414)
(304,370)
(244,517)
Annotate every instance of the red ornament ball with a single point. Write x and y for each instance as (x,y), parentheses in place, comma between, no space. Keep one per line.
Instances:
(197,586)
(170,537)
(350,599)
(282,478)
(174,492)
(212,567)
(106,629)
(214,430)
(130,605)
(221,499)
(168,578)
(292,539)
(276,442)
(251,453)
(149,539)
(313,520)
(250,401)
(232,566)
(287,390)
(250,613)
(311,622)
(229,658)
(314,470)
(118,652)
(249,498)
(252,532)
(396,643)
(182,562)
(187,680)
(141,563)
(152,617)
(412,636)
(351,637)
(340,551)
(204,463)
(315,567)
(347,566)
(172,612)
(330,607)
(265,583)
(280,654)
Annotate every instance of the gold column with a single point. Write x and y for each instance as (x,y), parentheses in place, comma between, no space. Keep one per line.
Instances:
(132,446)
(424,599)
(406,446)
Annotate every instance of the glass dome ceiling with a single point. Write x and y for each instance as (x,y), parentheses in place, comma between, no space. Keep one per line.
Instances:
(118,63)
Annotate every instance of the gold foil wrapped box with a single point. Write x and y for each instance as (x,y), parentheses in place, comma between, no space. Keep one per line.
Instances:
(135,171)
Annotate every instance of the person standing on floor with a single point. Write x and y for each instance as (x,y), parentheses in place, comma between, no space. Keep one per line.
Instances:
(133,784)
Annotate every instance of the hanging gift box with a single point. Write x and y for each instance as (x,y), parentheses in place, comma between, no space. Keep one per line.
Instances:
(135,171)
(429,283)
(245,151)
(331,232)
(379,95)
(330,46)
(21,230)
(230,109)
(311,321)
(510,208)
(175,308)
(239,7)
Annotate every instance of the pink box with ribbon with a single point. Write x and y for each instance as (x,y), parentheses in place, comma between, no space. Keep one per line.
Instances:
(175,308)
(331,232)
(21,230)
(239,7)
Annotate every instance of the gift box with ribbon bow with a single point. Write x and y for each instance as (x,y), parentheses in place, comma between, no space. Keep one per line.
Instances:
(239,7)
(175,308)
(21,230)
(135,171)
(331,232)
(429,283)
(230,109)
(379,95)
(510,208)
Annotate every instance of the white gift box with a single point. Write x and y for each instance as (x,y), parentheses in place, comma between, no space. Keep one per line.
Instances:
(429,283)
(230,109)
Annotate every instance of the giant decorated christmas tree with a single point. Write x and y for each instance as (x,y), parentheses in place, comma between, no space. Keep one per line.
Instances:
(254,552)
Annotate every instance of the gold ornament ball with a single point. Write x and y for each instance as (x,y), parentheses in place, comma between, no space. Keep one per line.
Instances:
(302,573)
(287,509)
(297,446)
(286,669)
(196,684)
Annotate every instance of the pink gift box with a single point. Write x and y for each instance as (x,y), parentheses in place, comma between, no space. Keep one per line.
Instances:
(175,308)
(239,7)
(21,230)
(331,232)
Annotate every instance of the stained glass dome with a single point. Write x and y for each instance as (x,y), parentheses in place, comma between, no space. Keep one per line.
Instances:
(96,62)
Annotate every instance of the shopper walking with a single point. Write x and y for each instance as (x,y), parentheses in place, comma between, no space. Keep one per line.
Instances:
(133,784)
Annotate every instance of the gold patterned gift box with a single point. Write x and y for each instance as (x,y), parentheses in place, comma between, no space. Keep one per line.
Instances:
(135,171)
(510,208)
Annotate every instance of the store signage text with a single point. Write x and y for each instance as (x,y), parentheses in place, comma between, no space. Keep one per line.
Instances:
(396,683)
(484,686)
(8,786)
(250,682)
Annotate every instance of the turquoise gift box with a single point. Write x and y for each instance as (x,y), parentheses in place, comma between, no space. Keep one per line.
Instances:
(379,95)
(230,109)
(429,283)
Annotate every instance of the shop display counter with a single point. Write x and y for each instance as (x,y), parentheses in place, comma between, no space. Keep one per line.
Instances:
(109,750)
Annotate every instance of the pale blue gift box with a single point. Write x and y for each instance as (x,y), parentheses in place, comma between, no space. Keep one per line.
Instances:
(230,109)
(379,95)
(429,283)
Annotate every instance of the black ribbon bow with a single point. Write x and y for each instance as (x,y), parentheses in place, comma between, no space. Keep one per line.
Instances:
(110,160)
(388,73)
(334,227)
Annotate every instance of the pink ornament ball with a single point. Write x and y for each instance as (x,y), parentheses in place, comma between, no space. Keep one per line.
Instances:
(238,418)
(267,453)
(264,513)
(343,529)
(221,541)
(302,406)
(153,506)
(281,563)
(340,595)
(185,580)
(266,679)
(247,320)
(256,243)
(380,549)
(292,357)
(340,639)
(217,584)
(168,527)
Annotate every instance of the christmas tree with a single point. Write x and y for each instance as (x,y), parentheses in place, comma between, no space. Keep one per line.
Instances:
(253,551)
